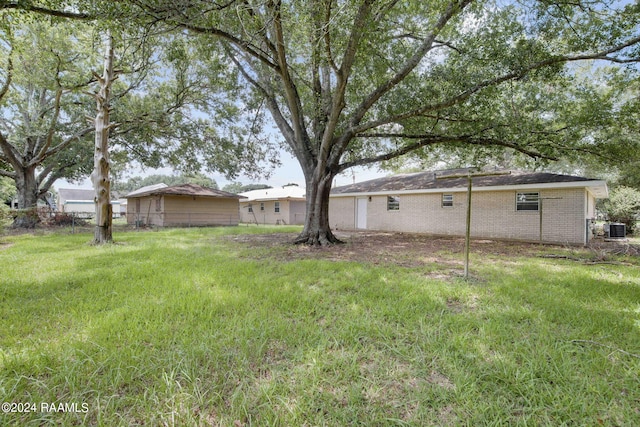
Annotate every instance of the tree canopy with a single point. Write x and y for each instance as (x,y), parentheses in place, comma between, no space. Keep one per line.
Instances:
(43,130)
(238,187)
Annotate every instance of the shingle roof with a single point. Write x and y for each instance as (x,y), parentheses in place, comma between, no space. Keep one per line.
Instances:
(184,190)
(146,189)
(429,181)
(65,194)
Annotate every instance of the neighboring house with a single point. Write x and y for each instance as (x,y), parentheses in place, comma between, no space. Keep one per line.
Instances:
(182,205)
(123,207)
(81,202)
(285,205)
(521,205)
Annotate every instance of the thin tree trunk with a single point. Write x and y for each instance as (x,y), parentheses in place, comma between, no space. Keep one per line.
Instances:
(101,166)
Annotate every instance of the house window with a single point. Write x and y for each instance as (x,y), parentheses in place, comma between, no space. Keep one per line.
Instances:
(393,203)
(158,204)
(250,208)
(277,208)
(527,201)
(447,200)
(261,206)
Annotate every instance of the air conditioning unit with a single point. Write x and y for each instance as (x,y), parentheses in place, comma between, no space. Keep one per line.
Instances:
(617,231)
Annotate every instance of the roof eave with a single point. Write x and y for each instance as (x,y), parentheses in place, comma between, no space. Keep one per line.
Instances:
(597,188)
(275,199)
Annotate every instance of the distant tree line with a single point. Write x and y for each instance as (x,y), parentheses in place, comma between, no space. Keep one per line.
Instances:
(136,182)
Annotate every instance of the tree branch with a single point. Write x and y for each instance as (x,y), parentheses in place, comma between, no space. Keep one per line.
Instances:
(11,153)
(244,45)
(426,140)
(328,147)
(60,172)
(272,104)
(40,156)
(7,82)
(452,10)
(327,37)
(30,7)
(56,149)
(291,91)
(263,29)
(7,173)
(515,75)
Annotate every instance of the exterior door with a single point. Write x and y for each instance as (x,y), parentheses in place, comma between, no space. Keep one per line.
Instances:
(361,214)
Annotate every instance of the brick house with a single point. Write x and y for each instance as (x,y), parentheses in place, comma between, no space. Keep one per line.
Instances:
(284,205)
(529,206)
(182,206)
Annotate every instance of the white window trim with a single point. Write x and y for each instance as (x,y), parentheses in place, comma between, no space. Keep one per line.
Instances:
(537,209)
(395,202)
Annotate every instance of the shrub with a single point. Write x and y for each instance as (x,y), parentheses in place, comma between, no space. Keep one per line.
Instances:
(623,206)
(25,218)
(63,219)
(5,216)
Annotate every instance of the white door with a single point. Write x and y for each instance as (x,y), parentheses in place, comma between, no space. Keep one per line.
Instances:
(361,214)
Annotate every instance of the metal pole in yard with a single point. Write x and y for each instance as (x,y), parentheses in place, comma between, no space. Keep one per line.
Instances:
(467,238)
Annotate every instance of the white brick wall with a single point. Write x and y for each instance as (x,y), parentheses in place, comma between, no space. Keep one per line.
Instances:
(291,212)
(342,211)
(493,215)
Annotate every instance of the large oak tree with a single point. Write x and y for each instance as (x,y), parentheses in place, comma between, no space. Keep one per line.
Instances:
(43,130)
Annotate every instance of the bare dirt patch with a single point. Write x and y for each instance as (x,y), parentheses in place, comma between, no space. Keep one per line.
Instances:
(417,250)
(403,249)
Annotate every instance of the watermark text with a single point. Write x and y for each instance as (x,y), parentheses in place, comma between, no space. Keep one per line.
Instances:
(47,407)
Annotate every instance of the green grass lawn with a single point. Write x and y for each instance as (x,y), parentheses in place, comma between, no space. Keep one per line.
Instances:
(190,327)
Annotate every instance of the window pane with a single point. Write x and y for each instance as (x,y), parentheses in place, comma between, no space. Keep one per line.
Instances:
(527,201)
(447,200)
(393,203)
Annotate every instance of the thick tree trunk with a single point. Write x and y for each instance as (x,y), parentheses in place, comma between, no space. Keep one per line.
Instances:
(317,231)
(101,166)
(27,193)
